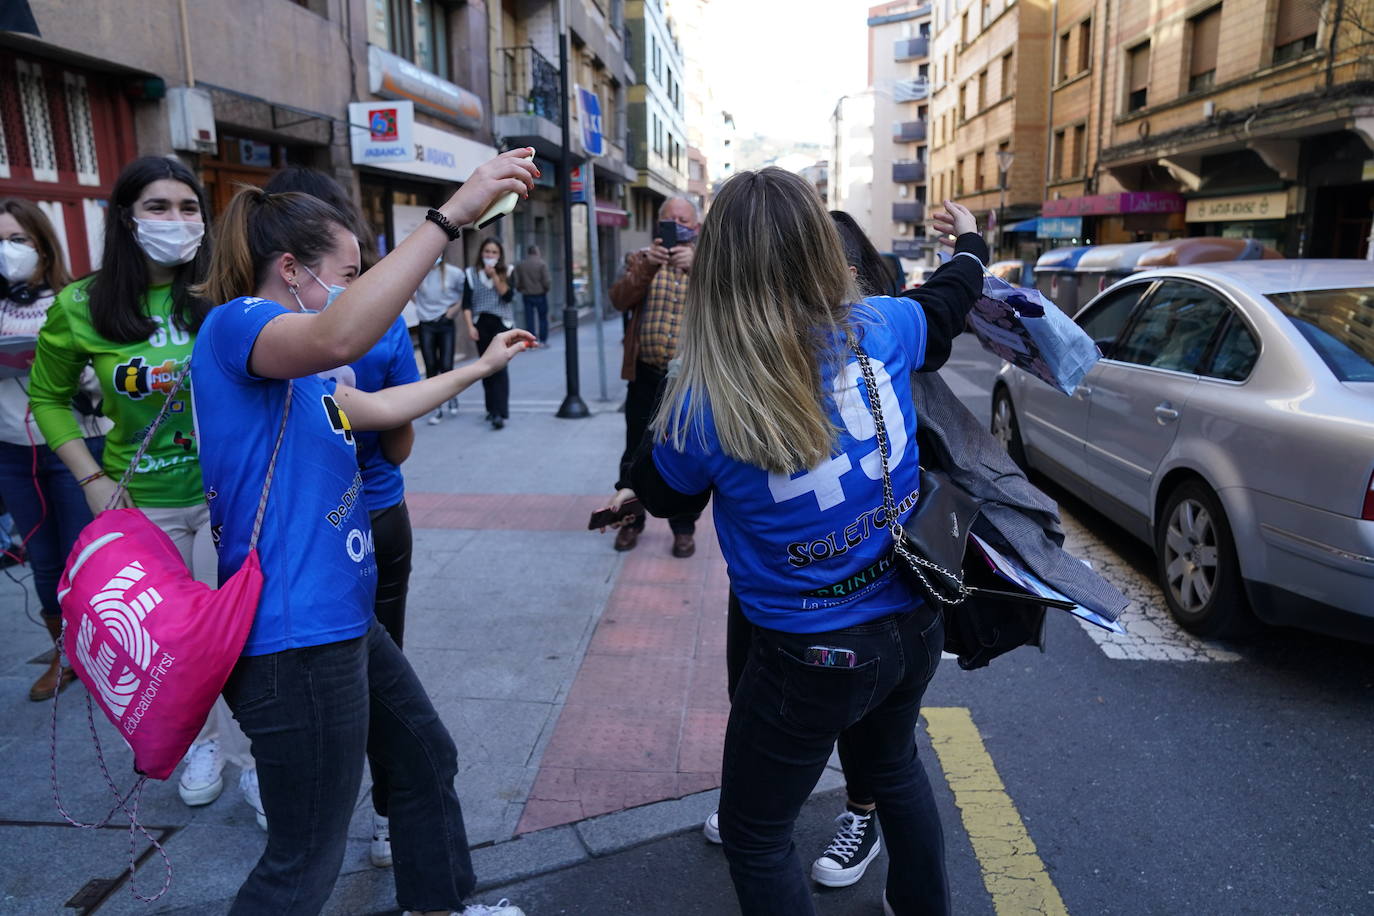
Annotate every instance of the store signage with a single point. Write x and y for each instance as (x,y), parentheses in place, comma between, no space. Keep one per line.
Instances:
(381,132)
(589,108)
(1059,227)
(434,153)
(251,152)
(394,77)
(1115,204)
(578,187)
(1244,207)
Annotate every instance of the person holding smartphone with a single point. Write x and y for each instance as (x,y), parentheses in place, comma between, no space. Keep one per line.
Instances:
(653,293)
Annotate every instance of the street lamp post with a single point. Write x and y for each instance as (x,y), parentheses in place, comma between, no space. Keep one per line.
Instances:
(1004,158)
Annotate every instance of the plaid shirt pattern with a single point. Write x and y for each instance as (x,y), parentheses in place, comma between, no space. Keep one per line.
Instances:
(662,317)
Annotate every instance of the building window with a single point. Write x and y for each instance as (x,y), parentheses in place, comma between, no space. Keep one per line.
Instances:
(959,177)
(1058,170)
(1204,31)
(1295,28)
(1065,45)
(963,32)
(963,99)
(1138,77)
(1085,45)
(978,169)
(414,29)
(1080,150)
(982,90)
(1008,77)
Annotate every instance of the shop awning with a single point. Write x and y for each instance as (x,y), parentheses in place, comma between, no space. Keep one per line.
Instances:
(608,214)
(1026,225)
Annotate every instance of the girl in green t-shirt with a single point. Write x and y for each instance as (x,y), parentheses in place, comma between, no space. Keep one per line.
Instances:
(134,322)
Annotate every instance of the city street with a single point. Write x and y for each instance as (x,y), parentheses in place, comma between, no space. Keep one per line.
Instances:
(1153,773)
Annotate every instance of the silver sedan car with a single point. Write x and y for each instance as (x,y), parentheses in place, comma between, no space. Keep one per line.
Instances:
(1230,425)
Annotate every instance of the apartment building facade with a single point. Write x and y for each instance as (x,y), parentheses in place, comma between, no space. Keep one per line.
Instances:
(899,36)
(853,167)
(657,116)
(988,111)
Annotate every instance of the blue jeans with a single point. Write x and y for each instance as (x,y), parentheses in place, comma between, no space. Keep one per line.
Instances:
(311,714)
(49,498)
(537,307)
(784,719)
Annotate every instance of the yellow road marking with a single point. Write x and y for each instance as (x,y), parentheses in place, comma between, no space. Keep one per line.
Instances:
(1012,870)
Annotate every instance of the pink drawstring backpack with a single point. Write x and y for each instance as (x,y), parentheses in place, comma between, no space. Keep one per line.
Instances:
(153,646)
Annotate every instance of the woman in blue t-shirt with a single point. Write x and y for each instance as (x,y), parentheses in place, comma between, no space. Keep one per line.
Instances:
(767,412)
(320,681)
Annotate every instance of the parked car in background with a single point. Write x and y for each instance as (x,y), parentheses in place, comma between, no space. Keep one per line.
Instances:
(1230,425)
(1017,273)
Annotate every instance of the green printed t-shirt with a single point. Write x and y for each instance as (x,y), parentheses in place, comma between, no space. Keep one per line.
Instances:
(134,380)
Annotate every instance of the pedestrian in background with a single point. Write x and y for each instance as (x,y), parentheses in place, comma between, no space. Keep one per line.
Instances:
(389,363)
(653,293)
(320,679)
(135,321)
(48,507)
(487,311)
(438,299)
(532,282)
(769,413)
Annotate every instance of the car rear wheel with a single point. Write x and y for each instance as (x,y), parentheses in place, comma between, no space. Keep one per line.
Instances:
(1198,568)
(1005,429)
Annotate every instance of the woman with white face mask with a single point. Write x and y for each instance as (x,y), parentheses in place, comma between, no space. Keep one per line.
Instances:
(39,491)
(134,322)
(487,311)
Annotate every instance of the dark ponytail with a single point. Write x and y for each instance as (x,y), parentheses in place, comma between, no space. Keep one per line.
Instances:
(874,276)
(118,289)
(256,228)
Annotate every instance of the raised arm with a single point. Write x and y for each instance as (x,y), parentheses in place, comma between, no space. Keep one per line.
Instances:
(949,294)
(291,346)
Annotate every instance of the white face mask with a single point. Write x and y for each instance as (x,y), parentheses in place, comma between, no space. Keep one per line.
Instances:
(490,262)
(169,242)
(18,261)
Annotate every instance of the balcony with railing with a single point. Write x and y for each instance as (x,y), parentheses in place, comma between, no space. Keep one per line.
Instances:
(912,90)
(909,248)
(908,172)
(529,104)
(912,48)
(909,131)
(908,211)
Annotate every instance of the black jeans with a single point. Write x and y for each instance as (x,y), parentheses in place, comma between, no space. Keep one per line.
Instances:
(436,345)
(537,310)
(495,387)
(310,714)
(392,535)
(784,720)
(739,638)
(641,402)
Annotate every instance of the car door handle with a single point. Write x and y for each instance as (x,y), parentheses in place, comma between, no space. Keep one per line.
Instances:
(1083,391)
(1166,413)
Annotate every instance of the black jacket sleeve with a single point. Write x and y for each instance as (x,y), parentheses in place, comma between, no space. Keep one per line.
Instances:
(948,296)
(660,499)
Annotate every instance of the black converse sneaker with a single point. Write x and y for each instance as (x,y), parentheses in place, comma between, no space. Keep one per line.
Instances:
(855,845)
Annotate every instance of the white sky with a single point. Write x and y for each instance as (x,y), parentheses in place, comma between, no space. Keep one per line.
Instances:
(779,66)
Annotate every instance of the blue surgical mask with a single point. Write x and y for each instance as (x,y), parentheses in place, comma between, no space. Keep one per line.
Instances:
(334,292)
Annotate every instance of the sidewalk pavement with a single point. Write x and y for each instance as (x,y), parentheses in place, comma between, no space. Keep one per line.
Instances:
(585,688)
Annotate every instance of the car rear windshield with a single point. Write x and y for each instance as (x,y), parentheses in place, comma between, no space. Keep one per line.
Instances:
(1339,324)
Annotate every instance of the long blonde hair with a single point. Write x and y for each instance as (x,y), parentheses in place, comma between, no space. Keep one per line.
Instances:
(768,301)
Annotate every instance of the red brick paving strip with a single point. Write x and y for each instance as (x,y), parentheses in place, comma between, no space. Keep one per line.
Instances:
(645,718)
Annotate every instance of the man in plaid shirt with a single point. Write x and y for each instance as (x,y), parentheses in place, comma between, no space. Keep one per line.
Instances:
(652,292)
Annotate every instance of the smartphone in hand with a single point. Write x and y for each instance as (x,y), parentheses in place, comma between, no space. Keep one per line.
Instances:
(667,231)
(604,517)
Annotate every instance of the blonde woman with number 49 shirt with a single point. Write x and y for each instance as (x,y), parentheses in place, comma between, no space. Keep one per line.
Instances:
(134,322)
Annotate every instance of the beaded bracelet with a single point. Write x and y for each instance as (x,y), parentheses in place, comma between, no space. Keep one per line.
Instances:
(85,480)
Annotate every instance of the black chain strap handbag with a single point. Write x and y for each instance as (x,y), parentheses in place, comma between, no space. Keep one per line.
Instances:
(981,622)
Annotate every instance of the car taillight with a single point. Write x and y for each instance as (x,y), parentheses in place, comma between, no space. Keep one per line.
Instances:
(1369,501)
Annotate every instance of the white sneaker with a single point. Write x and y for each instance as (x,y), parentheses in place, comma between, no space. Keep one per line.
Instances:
(503,907)
(711,829)
(453,408)
(379,853)
(435,417)
(203,779)
(853,849)
(248,785)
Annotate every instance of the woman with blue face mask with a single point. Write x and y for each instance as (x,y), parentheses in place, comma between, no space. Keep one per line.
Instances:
(134,322)
(47,505)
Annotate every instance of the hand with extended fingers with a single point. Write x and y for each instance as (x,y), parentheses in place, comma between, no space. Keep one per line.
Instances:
(953,221)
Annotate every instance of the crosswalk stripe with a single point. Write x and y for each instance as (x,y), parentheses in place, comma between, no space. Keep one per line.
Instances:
(1012,870)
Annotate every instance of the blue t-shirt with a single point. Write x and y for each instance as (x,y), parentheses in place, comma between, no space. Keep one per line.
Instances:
(810,552)
(390,362)
(319,572)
